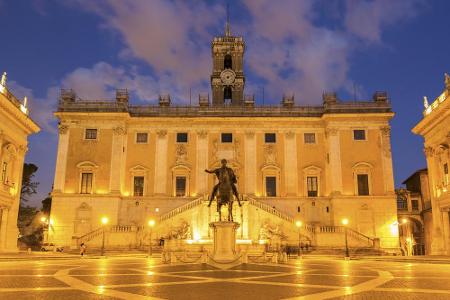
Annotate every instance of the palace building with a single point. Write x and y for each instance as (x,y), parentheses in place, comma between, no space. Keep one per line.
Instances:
(15,127)
(315,164)
(435,129)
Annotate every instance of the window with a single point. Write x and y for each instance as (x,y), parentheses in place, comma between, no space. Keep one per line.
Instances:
(363,184)
(227,137)
(227,62)
(415,204)
(310,138)
(227,94)
(446,178)
(270,138)
(271,186)
(90,134)
(182,137)
(328,209)
(138,186)
(311,183)
(359,135)
(4,170)
(86,183)
(142,137)
(402,203)
(180,183)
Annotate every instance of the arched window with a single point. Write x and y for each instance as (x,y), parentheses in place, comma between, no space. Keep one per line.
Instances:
(227,94)
(227,62)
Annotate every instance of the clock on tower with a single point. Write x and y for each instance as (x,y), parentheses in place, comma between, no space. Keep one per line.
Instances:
(227,78)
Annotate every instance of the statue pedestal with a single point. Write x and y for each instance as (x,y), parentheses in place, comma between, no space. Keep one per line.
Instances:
(224,242)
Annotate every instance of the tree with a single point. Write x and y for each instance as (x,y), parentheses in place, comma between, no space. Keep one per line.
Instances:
(47,205)
(29,186)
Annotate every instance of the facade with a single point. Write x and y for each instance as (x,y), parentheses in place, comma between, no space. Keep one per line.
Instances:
(434,128)
(15,126)
(414,214)
(318,164)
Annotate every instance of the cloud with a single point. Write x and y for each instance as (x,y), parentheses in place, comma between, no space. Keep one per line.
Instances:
(367,19)
(288,50)
(41,108)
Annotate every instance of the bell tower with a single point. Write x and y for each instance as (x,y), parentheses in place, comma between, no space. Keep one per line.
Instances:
(227,78)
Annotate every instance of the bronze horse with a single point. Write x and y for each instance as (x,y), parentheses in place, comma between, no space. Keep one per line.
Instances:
(224,190)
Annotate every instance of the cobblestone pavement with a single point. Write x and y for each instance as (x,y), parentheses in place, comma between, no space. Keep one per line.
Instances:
(141,278)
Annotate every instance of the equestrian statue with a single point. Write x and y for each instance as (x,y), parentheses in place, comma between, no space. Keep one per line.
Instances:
(225,189)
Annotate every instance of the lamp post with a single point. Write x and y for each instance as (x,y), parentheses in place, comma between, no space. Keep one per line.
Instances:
(104,222)
(299,225)
(345,223)
(151,223)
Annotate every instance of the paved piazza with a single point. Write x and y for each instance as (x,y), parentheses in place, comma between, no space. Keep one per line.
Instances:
(140,278)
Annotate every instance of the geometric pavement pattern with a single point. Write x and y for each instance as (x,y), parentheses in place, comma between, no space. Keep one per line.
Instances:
(140,278)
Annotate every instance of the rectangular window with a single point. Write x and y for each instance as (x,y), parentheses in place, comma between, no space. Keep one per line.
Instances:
(4,170)
(138,186)
(363,184)
(311,183)
(402,204)
(180,186)
(415,204)
(446,177)
(142,138)
(271,186)
(90,134)
(86,183)
(270,138)
(182,137)
(359,135)
(227,137)
(310,138)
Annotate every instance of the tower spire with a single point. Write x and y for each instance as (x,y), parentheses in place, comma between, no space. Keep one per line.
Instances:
(227,25)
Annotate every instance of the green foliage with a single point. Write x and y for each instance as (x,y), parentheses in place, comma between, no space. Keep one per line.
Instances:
(29,186)
(26,216)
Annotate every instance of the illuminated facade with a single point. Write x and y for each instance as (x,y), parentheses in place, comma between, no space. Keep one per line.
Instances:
(434,127)
(15,126)
(317,164)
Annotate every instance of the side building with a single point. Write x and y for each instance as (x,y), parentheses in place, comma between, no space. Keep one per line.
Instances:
(15,127)
(435,129)
(314,164)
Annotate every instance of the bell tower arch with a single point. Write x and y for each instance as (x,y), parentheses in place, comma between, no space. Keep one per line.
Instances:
(227,78)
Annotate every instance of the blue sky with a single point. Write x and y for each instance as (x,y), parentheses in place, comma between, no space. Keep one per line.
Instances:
(161,46)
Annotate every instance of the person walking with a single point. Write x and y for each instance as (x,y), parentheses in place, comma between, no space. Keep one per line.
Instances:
(82,249)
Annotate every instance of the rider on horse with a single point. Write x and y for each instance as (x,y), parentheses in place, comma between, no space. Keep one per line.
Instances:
(224,175)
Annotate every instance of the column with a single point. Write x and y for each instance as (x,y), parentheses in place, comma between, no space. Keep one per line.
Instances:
(290,163)
(1,145)
(446,229)
(12,232)
(61,158)
(4,222)
(437,245)
(202,162)
(386,159)
(161,162)
(117,154)
(334,151)
(250,162)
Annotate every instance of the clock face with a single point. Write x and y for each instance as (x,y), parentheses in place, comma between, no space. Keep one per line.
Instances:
(227,76)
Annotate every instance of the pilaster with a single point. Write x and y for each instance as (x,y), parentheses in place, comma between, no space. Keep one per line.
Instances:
(202,162)
(290,163)
(334,151)
(250,162)
(161,162)
(61,158)
(386,158)
(117,156)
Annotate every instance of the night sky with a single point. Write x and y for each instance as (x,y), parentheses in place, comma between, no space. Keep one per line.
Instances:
(161,46)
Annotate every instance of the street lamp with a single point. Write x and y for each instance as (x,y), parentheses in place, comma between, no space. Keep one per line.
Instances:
(151,223)
(104,222)
(345,223)
(299,225)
